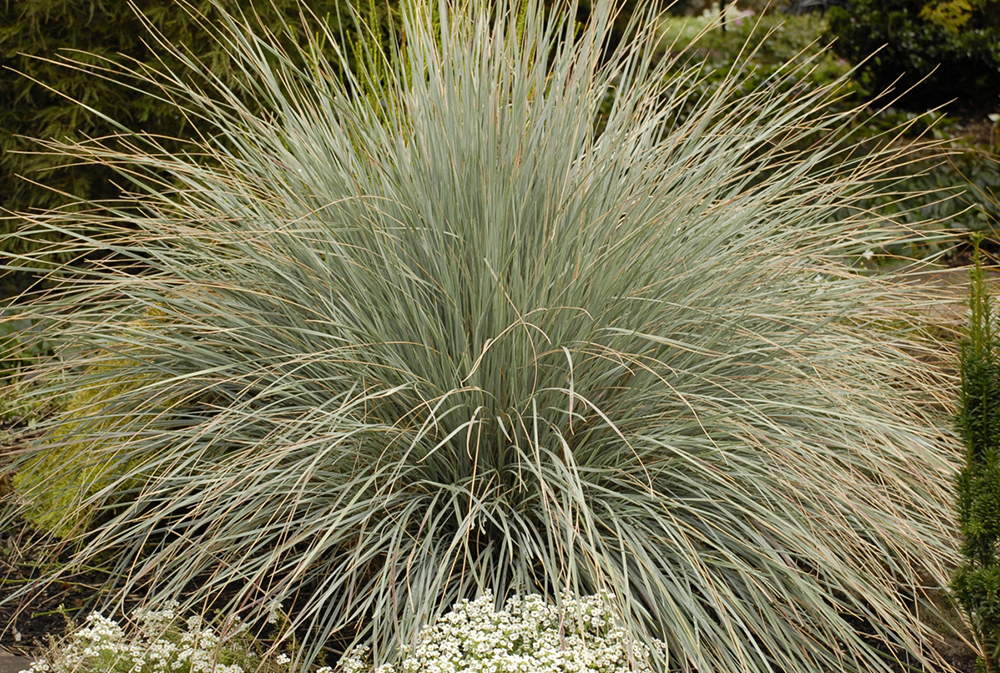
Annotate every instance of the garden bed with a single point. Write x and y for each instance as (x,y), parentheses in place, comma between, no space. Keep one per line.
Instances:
(745,436)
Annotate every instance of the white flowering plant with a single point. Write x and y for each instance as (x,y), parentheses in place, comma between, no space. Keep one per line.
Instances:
(529,635)
(157,643)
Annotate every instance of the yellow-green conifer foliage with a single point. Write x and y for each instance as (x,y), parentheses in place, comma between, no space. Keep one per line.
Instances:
(89,441)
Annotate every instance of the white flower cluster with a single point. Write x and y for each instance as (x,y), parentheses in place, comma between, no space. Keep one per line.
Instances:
(528,635)
(158,646)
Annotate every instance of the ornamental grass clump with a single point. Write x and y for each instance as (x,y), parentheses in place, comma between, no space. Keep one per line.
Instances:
(502,320)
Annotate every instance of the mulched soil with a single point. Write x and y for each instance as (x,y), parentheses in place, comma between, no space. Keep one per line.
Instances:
(28,623)
(976,127)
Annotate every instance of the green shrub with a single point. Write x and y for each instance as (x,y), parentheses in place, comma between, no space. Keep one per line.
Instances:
(446,339)
(921,48)
(18,349)
(57,505)
(941,197)
(22,349)
(960,195)
(977,582)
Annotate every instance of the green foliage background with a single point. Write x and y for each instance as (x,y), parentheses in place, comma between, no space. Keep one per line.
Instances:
(954,44)
(49,52)
(944,192)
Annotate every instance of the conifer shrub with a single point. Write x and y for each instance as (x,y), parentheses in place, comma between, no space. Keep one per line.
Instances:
(446,339)
(977,581)
(59,507)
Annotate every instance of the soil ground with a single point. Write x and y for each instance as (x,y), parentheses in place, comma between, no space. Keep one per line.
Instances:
(28,623)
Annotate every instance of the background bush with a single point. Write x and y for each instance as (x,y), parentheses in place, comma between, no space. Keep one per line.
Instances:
(762,49)
(954,44)
(942,198)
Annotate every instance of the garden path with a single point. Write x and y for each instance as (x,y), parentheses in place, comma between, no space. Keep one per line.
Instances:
(11,663)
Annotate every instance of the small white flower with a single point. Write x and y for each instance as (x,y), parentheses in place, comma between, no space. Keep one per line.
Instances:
(273,611)
(283,659)
(868,254)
